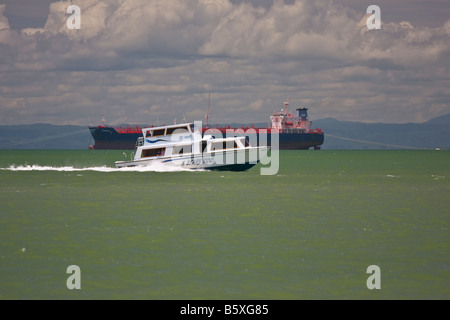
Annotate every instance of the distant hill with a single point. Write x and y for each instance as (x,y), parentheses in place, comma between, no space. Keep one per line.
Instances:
(434,133)
(44,136)
(356,135)
(445,119)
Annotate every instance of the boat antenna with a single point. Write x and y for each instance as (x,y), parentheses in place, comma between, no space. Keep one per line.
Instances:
(103,120)
(286,104)
(207,113)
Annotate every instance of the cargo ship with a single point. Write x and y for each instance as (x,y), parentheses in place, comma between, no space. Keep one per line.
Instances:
(295,132)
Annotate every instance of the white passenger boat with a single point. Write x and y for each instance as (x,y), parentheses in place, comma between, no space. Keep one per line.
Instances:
(183,145)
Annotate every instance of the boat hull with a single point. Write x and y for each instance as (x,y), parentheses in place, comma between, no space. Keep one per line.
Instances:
(241,160)
(107,138)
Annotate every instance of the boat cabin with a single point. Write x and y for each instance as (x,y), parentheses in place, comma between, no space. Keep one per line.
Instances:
(181,140)
(167,130)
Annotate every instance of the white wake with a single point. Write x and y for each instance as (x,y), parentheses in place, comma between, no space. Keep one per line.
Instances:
(156,167)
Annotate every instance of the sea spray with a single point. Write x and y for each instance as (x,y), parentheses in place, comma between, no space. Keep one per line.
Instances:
(155,167)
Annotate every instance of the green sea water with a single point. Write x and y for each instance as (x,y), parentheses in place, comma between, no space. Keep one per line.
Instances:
(309,232)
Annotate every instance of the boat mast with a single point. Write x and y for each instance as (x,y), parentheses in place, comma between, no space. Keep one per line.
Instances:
(286,104)
(207,113)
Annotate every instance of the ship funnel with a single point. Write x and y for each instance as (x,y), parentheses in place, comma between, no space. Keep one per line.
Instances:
(302,113)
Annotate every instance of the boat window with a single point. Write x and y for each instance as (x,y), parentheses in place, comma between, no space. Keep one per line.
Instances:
(216,146)
(148,153)
(177,130)
(159,132)
(182,149)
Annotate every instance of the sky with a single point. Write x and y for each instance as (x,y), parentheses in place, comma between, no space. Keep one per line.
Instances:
(143,61)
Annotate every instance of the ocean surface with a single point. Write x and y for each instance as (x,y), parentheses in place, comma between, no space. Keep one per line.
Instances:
(309,232)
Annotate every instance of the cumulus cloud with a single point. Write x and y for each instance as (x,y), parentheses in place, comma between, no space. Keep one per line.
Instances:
(134,58)
(4,24)
(159,26)
(304,28)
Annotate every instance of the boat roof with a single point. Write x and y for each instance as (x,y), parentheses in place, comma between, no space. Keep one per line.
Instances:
(181,125)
